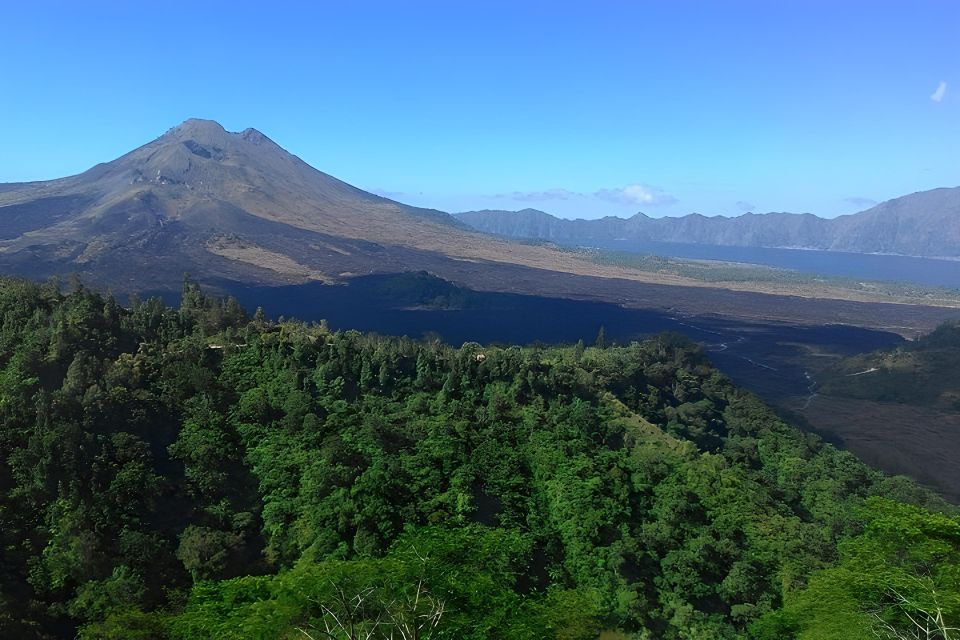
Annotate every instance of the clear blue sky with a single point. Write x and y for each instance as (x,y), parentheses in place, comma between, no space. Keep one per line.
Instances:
(581,109)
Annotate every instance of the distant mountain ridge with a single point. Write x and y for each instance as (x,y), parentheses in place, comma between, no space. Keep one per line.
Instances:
(925,224)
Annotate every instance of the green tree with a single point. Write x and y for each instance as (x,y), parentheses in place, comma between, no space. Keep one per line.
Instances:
(898,579)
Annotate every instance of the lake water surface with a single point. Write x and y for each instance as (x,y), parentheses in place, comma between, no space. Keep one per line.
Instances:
(925,271)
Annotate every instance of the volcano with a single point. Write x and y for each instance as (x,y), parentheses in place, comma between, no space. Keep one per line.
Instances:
(239,214)
(223,207)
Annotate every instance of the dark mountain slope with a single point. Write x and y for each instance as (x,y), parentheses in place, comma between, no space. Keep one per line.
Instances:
(926,223)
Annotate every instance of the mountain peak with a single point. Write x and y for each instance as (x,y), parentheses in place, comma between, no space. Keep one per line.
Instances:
(212,132)
(228,205)
(252,135)
(197,127)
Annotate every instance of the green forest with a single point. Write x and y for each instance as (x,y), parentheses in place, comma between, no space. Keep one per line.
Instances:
(923,372)
(198,473)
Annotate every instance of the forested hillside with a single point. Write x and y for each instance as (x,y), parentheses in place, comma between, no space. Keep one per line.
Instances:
(194,473)
(924,372)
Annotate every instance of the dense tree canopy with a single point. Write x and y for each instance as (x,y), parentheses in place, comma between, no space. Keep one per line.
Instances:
(898,579)
(920,372)
(195,473)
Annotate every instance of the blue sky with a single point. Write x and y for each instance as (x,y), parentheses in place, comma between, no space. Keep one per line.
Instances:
(581,109)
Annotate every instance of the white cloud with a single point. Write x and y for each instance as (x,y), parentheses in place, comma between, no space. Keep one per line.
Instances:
(941,91)
(632,194)
(745,206)
(636,194)
(540,196)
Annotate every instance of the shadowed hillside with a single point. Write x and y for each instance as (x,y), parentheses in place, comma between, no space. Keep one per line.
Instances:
(925,372)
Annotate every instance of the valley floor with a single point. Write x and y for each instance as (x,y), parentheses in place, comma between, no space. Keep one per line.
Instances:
(921,442)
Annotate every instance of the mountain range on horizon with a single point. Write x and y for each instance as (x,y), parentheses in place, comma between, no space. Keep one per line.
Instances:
(235,210)
(924,224)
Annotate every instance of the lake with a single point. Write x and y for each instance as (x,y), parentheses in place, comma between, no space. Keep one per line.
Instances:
(925,271)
